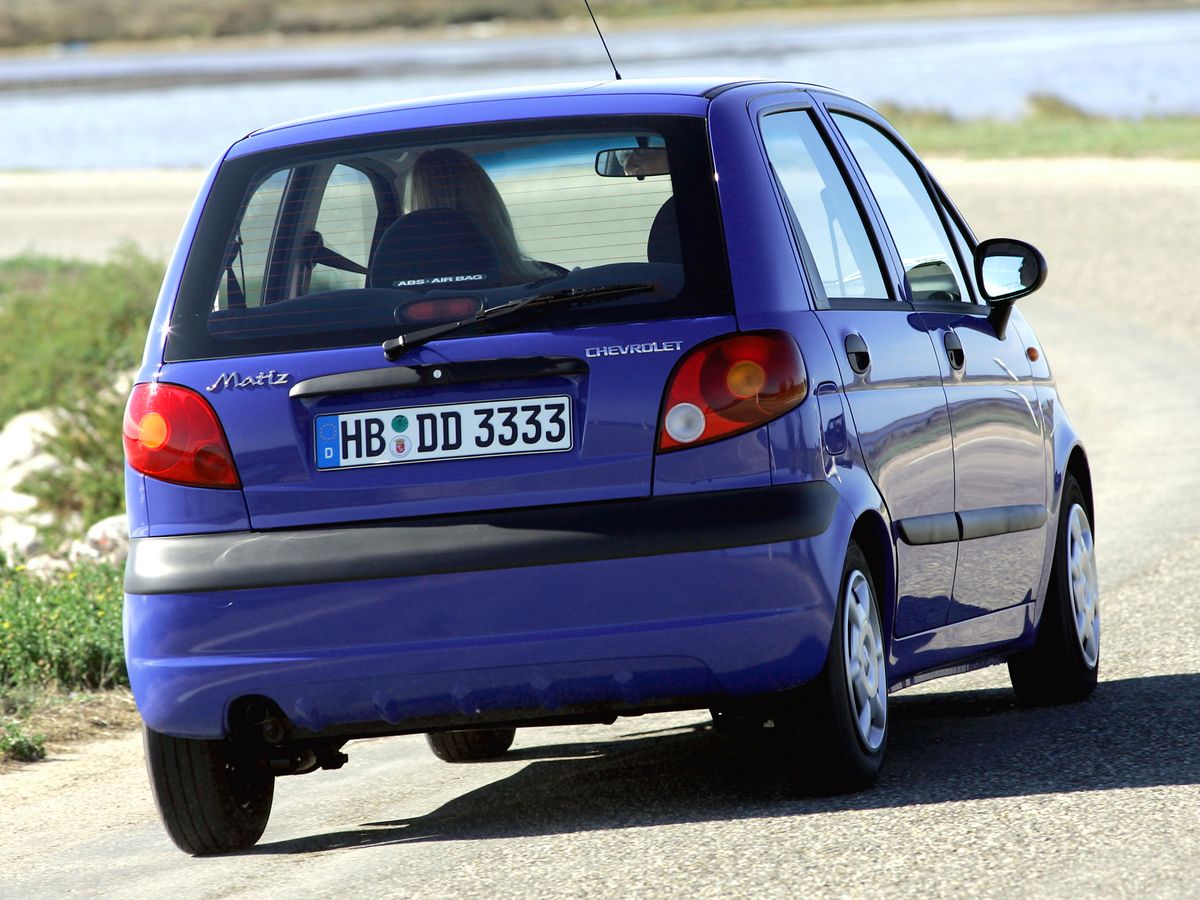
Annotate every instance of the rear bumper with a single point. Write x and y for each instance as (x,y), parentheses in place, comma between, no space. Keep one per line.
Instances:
(460,619)
(480,542)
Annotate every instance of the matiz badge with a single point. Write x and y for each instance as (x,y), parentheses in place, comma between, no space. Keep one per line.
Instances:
(232,380)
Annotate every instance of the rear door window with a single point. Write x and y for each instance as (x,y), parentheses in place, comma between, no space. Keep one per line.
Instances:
(824,208)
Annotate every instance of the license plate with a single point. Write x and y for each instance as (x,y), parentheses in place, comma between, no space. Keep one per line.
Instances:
(450,431)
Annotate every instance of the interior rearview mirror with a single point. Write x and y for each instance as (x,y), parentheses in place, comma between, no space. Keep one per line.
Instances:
(632,162)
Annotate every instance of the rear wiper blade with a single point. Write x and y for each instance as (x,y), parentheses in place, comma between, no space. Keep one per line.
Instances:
(395,347)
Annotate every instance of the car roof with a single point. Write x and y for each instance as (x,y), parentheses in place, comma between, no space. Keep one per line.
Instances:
(681,96)
(684,87)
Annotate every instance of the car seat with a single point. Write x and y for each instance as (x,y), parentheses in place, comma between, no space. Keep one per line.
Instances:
(434,249)
(663,244)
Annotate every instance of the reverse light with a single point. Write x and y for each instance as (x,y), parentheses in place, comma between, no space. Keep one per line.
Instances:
(730,385)
(170,432)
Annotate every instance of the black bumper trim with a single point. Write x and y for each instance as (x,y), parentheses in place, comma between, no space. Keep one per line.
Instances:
(480,541)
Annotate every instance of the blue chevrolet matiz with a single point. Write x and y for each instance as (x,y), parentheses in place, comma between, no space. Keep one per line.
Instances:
(561,404)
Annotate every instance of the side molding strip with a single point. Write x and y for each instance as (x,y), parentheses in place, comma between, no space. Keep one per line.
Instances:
(945,528)
(938,529)
(977,523)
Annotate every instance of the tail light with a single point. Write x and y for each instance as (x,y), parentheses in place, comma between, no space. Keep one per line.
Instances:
(731,385)
(172,433)
(443,309)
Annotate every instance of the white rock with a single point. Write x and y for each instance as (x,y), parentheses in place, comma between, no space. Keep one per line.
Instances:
(14,503)
(24,435)
(18,539)
(46,566)
(107,540)
(11,478)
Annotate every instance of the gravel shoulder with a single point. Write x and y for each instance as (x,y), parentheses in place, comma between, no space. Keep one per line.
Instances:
(980,797)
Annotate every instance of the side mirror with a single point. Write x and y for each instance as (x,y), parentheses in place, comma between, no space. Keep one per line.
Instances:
(632,162)
(1007,269)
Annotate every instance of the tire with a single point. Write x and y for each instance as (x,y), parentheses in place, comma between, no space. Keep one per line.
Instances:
(211,798)
(470,746)
(1064,662)
(840,729)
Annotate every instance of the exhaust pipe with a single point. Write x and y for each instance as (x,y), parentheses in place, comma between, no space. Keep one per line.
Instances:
(263,716)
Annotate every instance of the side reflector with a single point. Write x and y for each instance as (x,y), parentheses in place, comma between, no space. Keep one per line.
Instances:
(170,432)
(730,385)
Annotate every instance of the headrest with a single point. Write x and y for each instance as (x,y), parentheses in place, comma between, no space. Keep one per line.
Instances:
(434,248)
(663,245)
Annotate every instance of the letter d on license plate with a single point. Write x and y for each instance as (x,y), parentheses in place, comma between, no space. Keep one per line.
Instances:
(449,431)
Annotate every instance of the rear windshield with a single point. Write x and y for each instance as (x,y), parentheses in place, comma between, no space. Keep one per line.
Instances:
(354,241)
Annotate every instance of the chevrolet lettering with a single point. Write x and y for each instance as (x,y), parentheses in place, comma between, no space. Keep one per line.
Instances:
(625,349)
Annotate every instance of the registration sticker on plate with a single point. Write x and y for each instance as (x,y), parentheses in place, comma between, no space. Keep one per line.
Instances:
(449,431)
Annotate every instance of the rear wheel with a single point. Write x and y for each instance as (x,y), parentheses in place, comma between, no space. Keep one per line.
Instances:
(840,727)
(1063,664)
(212,798)
(469,746)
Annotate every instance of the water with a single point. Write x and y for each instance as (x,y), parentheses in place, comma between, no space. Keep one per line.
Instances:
(1120,64)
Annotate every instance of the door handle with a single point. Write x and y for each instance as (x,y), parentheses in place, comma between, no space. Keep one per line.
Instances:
(954,350)
(857,353)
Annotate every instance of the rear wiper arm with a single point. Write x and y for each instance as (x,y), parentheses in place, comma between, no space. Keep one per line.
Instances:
(395,347)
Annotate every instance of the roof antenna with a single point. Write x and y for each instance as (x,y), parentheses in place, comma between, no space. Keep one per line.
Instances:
(602,40)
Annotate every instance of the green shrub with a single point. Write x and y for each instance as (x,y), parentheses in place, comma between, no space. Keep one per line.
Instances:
(64,633)
(78,326)
(15,744)
(89,483)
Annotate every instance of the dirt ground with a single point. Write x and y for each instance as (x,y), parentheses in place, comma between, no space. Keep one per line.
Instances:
(64,721)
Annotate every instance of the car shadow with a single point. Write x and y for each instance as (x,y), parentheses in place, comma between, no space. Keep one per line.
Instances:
(1136,732)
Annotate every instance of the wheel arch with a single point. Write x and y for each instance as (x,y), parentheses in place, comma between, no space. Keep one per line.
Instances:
(1077,466)
(871,533)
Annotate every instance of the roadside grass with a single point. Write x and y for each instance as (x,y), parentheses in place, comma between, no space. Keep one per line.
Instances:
(79,328)
(77,325)
(60,644)
(1050,127)
(68,21)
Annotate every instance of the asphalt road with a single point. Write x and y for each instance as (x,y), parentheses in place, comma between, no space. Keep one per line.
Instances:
(979,797)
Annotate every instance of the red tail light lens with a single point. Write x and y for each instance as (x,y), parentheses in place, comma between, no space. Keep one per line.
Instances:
(445,309)
(731,385)
(172,433)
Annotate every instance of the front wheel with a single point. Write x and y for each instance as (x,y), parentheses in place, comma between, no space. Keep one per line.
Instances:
(840,726)
(1064,663)
(211,797)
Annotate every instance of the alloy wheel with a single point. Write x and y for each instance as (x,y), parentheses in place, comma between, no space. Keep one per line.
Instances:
(862,646)
(1085,586)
